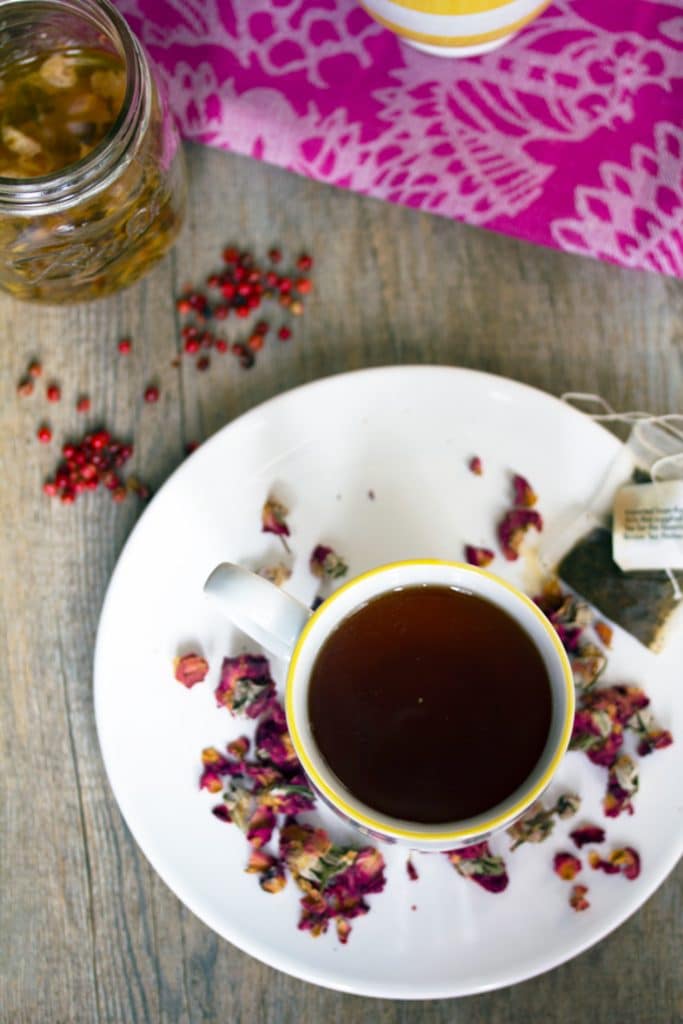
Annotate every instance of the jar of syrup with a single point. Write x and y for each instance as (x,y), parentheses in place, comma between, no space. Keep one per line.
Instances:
(92,174)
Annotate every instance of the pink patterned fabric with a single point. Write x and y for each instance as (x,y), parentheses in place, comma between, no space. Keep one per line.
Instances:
(569,136)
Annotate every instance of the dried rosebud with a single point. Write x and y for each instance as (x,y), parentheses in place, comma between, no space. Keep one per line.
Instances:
(245,687)
(343,930)
(567,805)
(412,870)
(566,866)
(211,781)
(475,465)
(620,702)
(625,861)
(260,826)
(213,759)
(259,861)
(325,561)
(513,527)
(273,520)
(481,865)
(538,822)
(533,827)
(190,669)
(480,557)
(587,834)
(577,898)
(277,574)
(587,666)
(239,748)
(596,733)
(273,880)
(622,784)
(654,741)
(651,736)
(524,495)
(273,743)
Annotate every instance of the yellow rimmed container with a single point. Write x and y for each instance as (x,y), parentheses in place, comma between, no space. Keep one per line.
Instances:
(289,630)
(455,28)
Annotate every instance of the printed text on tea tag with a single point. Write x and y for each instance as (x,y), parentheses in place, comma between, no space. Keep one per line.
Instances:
(647,531)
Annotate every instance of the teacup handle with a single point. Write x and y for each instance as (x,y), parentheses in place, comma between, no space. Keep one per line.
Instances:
(260,609)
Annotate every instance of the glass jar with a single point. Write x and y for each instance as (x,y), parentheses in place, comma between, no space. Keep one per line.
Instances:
(98,223)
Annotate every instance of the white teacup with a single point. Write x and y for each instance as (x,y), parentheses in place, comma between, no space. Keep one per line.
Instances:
(291,631)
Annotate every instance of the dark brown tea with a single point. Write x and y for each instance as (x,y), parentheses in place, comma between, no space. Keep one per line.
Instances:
(430,704)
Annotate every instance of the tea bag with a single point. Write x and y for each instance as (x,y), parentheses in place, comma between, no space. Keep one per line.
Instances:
(629,565)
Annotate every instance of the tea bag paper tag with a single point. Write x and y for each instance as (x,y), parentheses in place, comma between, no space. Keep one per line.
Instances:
(647,530)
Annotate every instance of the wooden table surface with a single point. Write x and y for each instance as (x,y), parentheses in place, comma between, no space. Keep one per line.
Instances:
(87,930)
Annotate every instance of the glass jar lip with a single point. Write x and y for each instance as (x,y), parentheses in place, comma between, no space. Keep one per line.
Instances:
(72,179)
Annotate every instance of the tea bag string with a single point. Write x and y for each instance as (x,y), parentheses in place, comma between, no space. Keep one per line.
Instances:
(669,425)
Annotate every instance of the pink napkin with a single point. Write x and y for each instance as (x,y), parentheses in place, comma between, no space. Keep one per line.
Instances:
(569,136)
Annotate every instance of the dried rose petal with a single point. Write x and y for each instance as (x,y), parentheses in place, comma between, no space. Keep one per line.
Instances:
(587,834)
(475,465)
(524,495)
(325,561)
(577,898)
(412,870)
(605,632)
(190,669)
(513,527)
(273,520)
(245,686)
(221,812)
(625,861)
(622,784)
(566,866)
(481,865)
(480,557)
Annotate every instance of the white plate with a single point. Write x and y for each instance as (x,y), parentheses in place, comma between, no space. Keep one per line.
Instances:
(404,433)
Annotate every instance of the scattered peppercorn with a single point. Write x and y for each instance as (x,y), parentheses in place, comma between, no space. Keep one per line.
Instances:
(83,404)
(124,346)
(305,262)
(152,394)
(284,334)
(44,434)
(25,387)
(203,363)
(53,393)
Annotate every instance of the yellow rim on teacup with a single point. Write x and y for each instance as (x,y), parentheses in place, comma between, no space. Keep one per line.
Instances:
(439,40)
(382,827)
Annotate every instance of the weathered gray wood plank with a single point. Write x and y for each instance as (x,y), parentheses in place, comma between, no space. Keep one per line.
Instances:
(88,933)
